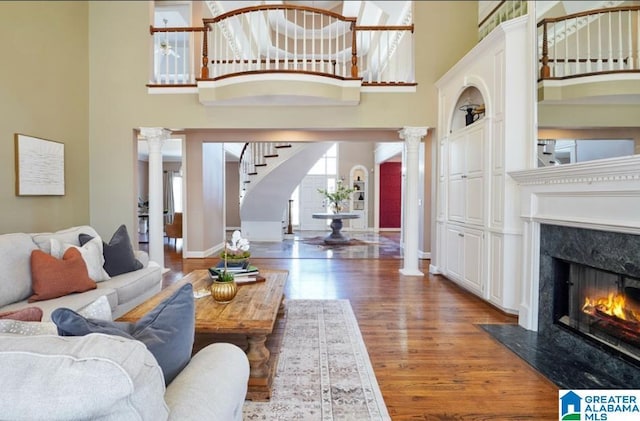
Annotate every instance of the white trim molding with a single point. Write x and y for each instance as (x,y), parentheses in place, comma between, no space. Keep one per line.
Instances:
(601,195)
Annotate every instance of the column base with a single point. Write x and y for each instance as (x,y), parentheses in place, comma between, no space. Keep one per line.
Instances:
(411,272)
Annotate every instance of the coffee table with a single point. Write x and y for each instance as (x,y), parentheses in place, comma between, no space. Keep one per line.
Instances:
(248,321)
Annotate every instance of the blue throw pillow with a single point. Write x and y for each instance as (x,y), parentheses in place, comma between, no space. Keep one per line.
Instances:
(167,330)
(118,254)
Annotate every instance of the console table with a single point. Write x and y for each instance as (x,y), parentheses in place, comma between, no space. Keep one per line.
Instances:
(336,236)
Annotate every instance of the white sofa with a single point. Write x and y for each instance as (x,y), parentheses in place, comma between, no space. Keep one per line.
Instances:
(104,377)
(124,291)
(98,376)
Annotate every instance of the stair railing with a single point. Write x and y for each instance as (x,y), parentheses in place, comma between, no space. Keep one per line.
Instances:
(253,157)
(284,38)
(588,43)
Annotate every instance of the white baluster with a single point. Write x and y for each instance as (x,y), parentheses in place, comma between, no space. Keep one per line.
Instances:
(285,50)
(313,41)
(638,41)
(620,57)
(269,42)
(566,49)
(610,45)
(304,43)
(322,69)
(600,52)
(588,47)
(629,39)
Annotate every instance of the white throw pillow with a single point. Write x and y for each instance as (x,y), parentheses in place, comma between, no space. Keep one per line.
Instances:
(99,309)
(18,327)
(91,254)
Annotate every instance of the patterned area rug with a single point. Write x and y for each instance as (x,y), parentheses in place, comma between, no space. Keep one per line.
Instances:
(324,372)
(319,241)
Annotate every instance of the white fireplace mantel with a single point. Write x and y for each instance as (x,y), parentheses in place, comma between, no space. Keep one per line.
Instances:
(602,195)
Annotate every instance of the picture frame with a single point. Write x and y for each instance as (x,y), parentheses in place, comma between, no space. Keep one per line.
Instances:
(39,166)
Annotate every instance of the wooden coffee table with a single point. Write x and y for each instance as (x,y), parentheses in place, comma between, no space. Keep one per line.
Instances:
(248,321)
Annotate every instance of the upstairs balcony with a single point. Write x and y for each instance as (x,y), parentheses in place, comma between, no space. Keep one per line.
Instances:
(590,57)
(282,53)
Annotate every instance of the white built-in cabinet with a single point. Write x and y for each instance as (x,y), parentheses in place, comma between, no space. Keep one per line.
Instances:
(478,231)
(359,197)
(466,174)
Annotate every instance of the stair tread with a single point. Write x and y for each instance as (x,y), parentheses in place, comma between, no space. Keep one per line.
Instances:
(271,156)
(282,146)
(260,165)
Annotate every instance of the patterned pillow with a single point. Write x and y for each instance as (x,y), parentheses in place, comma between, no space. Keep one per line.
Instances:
(99,309)
(19,327)
(52,278)
(29,314)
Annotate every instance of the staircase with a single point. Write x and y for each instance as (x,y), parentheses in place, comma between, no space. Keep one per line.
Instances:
(269,173)
(546,152)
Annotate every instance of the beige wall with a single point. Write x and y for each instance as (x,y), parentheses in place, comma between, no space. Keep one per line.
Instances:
(44,81)
(232,185)
(96,112)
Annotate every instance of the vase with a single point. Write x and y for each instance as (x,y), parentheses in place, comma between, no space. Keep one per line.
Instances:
(223,292)
(335,207)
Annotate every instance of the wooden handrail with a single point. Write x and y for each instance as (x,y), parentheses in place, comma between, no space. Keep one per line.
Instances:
(275,7)
(589,13)
(153,29)
(326,59)
(577,20)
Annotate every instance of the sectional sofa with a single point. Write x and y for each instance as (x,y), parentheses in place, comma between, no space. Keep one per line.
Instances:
(72,366)
(123,291)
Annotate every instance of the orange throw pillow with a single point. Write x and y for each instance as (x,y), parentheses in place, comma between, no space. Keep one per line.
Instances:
(52,278)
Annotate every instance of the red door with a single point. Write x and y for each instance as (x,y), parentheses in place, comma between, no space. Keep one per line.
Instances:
(390,194)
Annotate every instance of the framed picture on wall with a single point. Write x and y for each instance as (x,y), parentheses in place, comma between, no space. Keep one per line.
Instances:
(39,166)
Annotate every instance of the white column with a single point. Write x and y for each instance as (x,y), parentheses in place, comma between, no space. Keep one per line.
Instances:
(155,137)
(411,223)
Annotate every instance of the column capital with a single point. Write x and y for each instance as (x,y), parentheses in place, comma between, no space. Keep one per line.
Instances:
(413,133)
(154,133)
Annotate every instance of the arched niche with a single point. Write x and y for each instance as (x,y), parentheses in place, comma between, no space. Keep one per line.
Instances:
(469,108)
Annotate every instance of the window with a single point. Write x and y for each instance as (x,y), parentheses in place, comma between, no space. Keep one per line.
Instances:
(177,192)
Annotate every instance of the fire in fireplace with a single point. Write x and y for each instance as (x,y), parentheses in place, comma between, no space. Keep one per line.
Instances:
(601,305)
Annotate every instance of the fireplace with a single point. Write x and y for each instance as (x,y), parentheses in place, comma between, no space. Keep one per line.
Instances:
(579,264)
(583,214)
(600,305)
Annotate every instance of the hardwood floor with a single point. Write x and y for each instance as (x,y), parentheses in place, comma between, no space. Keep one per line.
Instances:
(431,360)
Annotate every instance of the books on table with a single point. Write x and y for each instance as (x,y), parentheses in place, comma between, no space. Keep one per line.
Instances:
(242,274)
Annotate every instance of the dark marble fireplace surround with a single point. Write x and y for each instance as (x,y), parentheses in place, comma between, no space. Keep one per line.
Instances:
(567,358)
(610,251)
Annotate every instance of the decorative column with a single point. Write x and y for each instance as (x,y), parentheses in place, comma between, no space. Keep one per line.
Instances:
(411,221)
(155,137)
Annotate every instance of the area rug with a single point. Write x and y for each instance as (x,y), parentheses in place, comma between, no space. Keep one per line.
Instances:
(324,372)
(319,241)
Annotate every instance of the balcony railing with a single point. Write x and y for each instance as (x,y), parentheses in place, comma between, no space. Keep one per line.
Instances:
(283,39)
(589,43)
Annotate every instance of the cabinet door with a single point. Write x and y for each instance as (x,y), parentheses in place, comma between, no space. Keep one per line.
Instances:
(457,147)
(473,260)
(474,200)
(456,199)
(474,151)
(454,258)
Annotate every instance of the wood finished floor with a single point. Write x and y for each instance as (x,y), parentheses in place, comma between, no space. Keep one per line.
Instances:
(431,360)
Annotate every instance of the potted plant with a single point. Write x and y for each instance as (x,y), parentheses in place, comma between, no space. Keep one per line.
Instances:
(224,287)
(336,198)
